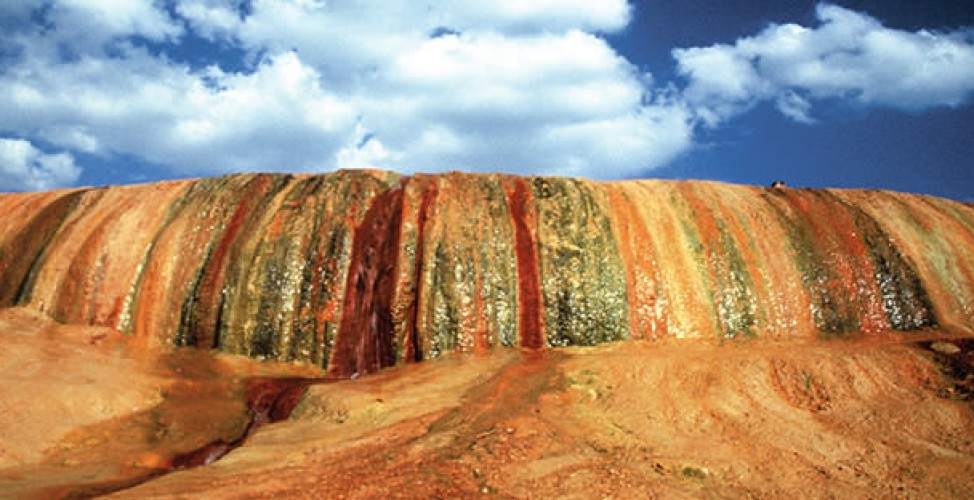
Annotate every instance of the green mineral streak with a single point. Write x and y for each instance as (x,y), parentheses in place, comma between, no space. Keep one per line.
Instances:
(289,275)
(23,254)
(131,299)
(304,330)
(469,268)
(406,289)
(763,311)
(737,300)
(413,279)
(498,264)
(830,310)
(583,278)
(239,331)
(697,250)
(444,324)
(905,301)
(720,264)
(325,268)
(208,201)
(945,253)
(287,262)
(960,212)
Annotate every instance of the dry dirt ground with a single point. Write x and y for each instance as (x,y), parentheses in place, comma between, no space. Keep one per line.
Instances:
(86,411)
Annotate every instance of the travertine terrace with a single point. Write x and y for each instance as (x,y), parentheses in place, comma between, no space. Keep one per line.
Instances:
(799,305)
(356,270)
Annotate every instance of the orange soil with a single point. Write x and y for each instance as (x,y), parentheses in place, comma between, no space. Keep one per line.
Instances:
(87,411)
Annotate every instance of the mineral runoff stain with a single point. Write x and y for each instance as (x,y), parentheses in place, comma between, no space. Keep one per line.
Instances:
(101,412)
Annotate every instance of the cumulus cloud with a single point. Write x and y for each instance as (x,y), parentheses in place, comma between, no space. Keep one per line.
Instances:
(475,85)
(563,103)
(849,56)
(25,168)
(483,85)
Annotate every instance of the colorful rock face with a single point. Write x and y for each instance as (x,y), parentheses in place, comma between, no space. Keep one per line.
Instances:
(358,270)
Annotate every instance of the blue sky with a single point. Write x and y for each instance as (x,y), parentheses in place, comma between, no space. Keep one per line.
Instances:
(861,93)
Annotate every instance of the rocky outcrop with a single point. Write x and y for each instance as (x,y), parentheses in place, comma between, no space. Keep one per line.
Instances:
(357,270)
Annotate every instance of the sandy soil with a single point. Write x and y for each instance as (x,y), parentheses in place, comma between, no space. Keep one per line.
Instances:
(630,420)
(86,409)
(842,418)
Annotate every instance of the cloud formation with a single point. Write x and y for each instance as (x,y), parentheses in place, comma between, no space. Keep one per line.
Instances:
(473,85)
(849,57)
(205,87)
(24,167)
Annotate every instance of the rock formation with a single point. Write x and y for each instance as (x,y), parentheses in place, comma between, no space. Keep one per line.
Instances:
(358,270)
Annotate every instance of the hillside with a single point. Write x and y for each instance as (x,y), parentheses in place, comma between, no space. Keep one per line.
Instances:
(627,338)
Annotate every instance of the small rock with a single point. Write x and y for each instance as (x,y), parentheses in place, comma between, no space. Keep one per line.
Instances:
(945,347)
(151,460)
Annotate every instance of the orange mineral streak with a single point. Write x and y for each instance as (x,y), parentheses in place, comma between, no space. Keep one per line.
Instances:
(683,298)
(178,254)
(790,307)
(90,272)
(356,271)
(871,315)
(530,329)
(646,320)
(786,310)
(711,239)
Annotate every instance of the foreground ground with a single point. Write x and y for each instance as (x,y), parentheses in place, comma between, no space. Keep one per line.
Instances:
(88,412)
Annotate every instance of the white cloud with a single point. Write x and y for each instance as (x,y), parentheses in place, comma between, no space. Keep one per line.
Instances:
(537,15)
(794,106)
(23,167)
(276,118)
(212,19)
(111,18)
(722,82)
(498,85)
(474,85)
(849,56)
(553,103)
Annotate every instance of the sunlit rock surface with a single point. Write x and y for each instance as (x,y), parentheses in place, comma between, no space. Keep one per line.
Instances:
(358,270)
(122,310)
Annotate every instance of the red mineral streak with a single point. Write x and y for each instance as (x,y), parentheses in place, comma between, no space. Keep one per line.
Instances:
(528,283)
(413,348)
(269,400)
(364,342)
(442,262)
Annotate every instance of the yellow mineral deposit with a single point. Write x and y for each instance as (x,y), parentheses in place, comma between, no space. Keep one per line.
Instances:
(738,340)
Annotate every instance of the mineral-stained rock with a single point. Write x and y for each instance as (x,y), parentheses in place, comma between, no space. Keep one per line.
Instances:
(358,270)
(355,271)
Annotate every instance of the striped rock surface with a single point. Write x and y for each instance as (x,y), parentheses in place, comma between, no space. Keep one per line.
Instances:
(357,270)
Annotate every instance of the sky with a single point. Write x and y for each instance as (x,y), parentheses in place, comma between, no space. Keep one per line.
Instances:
(854,94)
